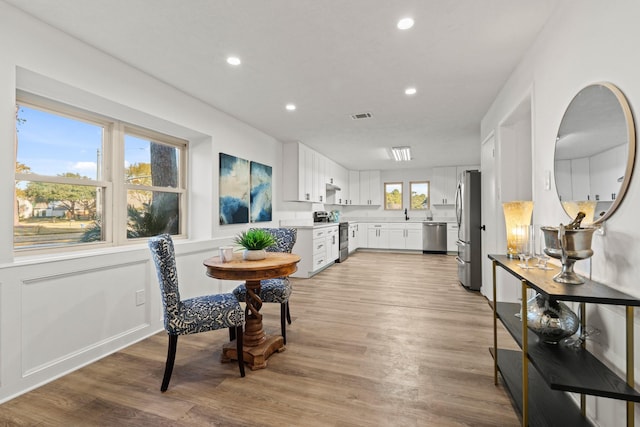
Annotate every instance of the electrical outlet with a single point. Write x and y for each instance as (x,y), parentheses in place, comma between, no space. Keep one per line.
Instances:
(140,297)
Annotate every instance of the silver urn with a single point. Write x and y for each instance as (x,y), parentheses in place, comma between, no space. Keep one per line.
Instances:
(569,246)
(551,320)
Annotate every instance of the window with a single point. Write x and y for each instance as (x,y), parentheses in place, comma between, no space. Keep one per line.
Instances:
(71,191)
(419,199)
(393,195)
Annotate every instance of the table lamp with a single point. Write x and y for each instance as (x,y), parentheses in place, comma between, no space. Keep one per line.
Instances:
(516,213)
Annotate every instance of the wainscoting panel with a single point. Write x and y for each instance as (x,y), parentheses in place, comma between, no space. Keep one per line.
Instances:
(63,315)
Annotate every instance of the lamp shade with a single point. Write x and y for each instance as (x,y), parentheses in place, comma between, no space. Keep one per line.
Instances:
(516,213)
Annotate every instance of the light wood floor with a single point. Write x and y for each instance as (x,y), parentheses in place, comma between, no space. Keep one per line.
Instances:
(383,339)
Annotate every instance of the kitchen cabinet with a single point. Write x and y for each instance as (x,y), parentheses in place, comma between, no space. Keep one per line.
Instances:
(365,188)
(318,248)
(452,237)
(605,169)
(539,375)
(304,174)
(405,236)
(443,185)
(354,237)
(332,244)
(354,188)
(378,236)
(337,177)
(362,233)
(370,188)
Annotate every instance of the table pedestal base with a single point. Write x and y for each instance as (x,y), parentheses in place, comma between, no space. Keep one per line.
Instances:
(255,357)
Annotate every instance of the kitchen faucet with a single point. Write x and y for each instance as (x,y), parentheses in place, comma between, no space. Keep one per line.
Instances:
(406,217)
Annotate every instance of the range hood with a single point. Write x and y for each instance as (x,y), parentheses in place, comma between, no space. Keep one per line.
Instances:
(332,187)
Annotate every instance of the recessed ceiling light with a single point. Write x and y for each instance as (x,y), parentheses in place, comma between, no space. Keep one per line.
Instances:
(410,91)
(290,107)
(405,23)
(233,60)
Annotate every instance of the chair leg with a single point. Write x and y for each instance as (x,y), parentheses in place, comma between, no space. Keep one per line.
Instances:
(232,333)
(288,313)
(283,325)
(171,358)
(238,332)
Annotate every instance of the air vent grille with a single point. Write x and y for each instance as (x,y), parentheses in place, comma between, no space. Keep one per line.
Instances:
(360,116)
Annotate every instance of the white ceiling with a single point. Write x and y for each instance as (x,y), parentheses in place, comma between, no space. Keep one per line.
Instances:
(332,58)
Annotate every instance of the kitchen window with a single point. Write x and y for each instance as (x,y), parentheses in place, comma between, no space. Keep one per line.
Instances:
(83,180)
(393,195)
(419,195)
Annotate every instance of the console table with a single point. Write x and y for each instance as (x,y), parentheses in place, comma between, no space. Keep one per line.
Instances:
(538,376)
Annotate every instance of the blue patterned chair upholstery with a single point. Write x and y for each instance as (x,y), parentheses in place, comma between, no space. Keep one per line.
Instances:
(193,315)
(276,290)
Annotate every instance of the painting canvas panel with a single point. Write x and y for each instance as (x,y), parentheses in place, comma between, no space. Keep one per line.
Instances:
(260,192)
(234,190)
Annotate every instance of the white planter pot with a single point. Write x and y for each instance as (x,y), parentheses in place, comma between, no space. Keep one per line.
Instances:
(254,255)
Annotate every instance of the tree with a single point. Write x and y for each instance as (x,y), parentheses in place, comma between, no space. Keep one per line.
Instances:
(138,174)
(418,201)
(69,196)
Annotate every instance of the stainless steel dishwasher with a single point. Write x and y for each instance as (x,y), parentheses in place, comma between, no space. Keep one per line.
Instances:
(434,237)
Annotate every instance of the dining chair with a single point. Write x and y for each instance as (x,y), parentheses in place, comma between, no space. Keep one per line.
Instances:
(193,315)
(276,290)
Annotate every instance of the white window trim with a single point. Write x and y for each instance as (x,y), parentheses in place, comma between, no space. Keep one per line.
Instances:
(115,189)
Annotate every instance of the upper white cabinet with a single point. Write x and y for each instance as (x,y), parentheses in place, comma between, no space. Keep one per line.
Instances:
(337,177)
(354,188)
(370,188)
(445,182)
(365,188)
(443,185)
(304,174)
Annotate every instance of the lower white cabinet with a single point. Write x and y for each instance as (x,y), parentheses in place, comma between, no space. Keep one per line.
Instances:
(405,236)
(452,237)
(378,236)
(318,248)
(395,235)
(333,244)
(354,237)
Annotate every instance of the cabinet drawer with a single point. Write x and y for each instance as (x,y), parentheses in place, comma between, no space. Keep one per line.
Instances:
(319,245)
(321,232)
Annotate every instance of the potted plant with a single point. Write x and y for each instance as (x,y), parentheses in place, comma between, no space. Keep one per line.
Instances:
(255,241)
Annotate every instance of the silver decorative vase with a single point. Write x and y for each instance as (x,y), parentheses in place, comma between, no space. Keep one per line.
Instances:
(254,254)
(551,320)
(568,246)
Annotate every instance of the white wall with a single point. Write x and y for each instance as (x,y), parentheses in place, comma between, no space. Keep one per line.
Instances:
(586,41)
(59,312)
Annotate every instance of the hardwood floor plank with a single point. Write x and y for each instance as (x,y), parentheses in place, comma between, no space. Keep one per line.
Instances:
(383,339)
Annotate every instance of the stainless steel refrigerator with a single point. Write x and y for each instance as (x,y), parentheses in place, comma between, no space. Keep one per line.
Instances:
(469,230)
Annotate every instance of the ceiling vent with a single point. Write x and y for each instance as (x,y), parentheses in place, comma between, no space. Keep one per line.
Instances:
(361,116)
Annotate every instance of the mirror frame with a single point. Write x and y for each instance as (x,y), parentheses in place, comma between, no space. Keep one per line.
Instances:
(631,154)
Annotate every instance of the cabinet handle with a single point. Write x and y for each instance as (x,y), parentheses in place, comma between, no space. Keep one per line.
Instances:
(306,196)
(333,241)
(320,198)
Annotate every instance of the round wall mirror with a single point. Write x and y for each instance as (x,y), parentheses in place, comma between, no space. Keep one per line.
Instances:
(594,153)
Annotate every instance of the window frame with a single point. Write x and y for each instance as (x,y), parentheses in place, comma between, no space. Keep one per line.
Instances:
(428,182)
(401,184)
(112,180)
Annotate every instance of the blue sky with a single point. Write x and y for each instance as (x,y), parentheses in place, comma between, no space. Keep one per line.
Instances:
(52,145)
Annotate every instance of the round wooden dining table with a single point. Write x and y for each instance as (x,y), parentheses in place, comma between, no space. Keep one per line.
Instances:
(257,346)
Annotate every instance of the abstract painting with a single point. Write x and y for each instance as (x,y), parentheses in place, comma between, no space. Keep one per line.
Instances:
(260,192)
(234,190)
